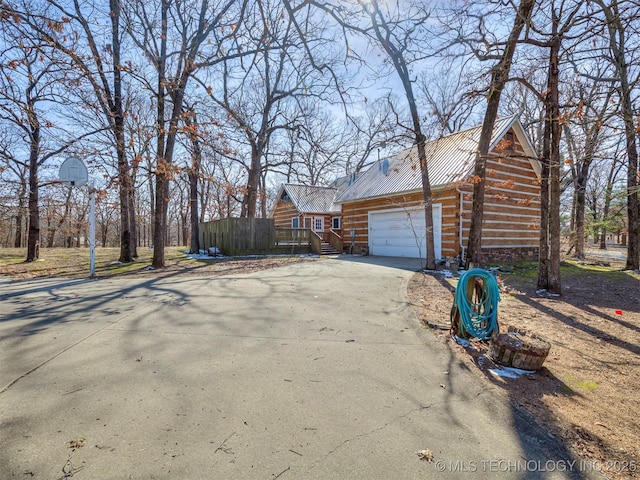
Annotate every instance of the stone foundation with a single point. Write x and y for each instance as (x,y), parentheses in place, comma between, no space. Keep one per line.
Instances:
(509,255)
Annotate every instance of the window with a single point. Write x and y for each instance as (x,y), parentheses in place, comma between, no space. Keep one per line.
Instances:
(318,224)
(336,224)
(508,141)
(295,222)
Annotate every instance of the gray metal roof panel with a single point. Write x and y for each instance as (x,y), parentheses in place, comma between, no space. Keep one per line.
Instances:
(449,159)
(312,199)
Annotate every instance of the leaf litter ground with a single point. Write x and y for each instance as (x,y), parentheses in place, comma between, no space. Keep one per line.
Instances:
(588,389)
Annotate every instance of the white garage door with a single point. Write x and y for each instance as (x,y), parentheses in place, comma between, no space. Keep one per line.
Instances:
(400,232)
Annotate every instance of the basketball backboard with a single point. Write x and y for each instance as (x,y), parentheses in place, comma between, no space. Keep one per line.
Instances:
(74,171)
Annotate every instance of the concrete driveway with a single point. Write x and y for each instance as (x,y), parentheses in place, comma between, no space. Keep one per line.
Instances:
(317,370)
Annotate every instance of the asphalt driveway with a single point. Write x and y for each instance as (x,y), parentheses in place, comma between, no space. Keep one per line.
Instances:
(316,370)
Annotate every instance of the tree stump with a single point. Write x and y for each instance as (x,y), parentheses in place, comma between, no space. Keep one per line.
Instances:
(518,349)
(473,294)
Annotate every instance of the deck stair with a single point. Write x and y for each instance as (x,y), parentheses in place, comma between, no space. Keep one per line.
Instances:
(328,249)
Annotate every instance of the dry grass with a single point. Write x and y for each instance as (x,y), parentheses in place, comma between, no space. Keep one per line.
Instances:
(74,263)
(588,389)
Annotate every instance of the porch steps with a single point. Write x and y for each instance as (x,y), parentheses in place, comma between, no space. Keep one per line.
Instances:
(328,249)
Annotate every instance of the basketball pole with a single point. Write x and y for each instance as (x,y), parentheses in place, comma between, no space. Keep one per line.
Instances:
(92,231)
(74,171)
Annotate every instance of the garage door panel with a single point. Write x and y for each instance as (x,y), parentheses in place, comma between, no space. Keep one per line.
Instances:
(397,232)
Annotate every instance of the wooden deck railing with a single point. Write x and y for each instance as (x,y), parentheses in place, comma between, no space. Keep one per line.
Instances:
(292,236)
(335,239)
(316,242)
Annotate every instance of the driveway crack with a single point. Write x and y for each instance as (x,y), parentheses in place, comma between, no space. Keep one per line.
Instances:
(370,432)
(69,347)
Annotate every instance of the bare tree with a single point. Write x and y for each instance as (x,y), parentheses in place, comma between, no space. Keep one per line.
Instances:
(193,175)
(449,97)
(322,147)
(66,36)
(610,217)
(62,218)
(106,209)
(374,131)
(620,21)
(605,196)
(499,77)
(172,39)
(583,132)
(394,40)
(262,95)
(31,86)
(564,17)
(399,33)
(16,174)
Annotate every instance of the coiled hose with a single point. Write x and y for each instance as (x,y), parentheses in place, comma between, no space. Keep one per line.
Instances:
(479,319)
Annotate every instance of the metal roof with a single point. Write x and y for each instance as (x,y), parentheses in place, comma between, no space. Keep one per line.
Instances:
(312,199)
(449,159)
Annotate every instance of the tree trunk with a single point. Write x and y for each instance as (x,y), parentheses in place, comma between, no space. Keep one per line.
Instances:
(250,200)
(499,77)
(118,128)
(20,213)
(204,200)
(52,231)
(162,190)
(633,203)
(579,232)
(103,235)
(383,34)
(33,236)
(573,154)
(617,46)
(580,171)
(152,214)
(160,219)
(185,229)
(430,263)
(263,195)
(607,203)
(194,246)
(603,238)
(572,222)
(555,285)
(551,281)
(17,243)
(194,177)
(133,222)
(543,254)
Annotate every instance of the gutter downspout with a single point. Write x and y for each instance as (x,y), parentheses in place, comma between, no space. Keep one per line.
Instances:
(462,252)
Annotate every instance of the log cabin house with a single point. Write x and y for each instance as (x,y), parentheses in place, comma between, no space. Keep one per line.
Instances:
(305,206)
(381,212)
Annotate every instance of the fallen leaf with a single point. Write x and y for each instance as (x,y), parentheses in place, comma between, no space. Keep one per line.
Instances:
(77,443)
(425,455)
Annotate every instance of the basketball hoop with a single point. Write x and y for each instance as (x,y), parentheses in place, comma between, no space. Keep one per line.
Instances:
(74,171)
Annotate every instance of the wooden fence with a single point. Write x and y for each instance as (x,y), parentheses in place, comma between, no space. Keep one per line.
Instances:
(252,236)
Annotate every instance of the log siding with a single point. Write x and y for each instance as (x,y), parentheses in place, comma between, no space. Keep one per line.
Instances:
(511,210)
(283,213)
